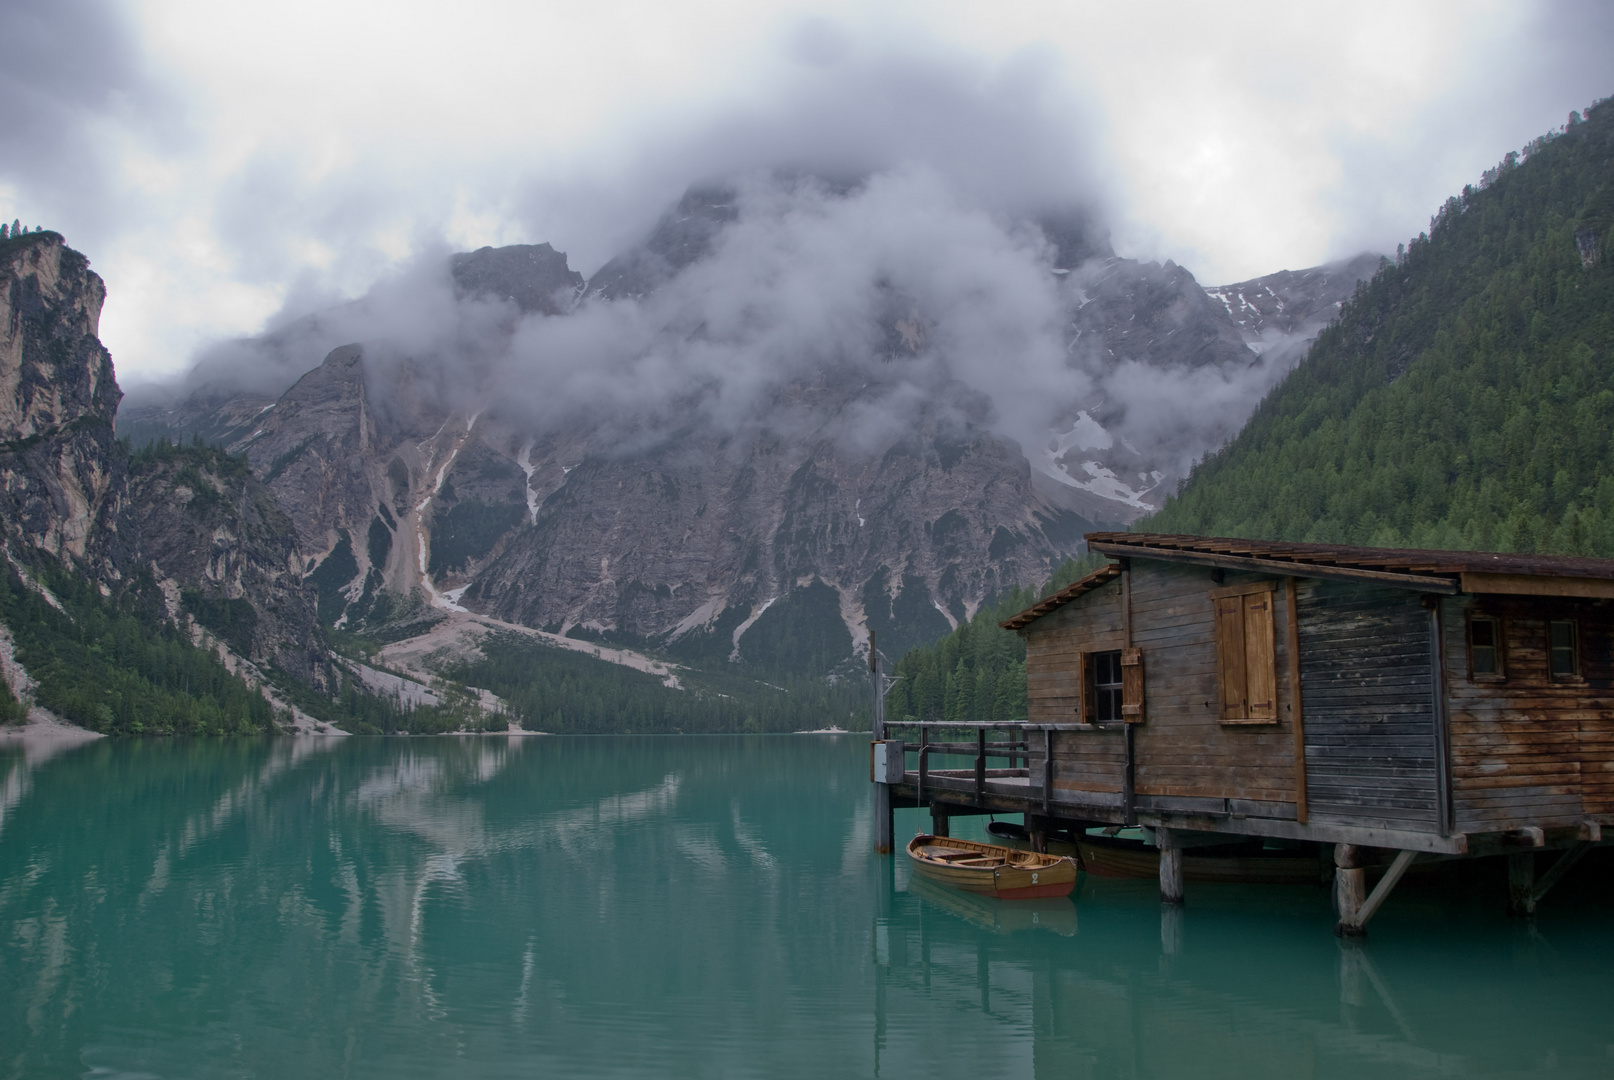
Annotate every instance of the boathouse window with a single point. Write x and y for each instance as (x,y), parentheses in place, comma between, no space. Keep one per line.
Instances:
(1564,651)
(1246,656)
(1484,647)
(1113,682)
(1104,676)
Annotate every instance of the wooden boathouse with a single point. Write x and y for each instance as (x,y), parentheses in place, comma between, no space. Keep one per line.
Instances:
(1389,704)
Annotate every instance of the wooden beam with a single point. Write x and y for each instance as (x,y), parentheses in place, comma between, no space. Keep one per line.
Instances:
(1354,912)
(1556,872)
(1283,567)
(1538,585)
(1381,891)
(1129,802)
(1047,771)
(980,764)
(1296,702)
(1442,733)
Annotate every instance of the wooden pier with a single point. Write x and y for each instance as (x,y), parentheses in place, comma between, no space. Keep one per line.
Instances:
(1392,706)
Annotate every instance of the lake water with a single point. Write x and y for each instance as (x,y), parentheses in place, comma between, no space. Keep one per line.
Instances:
(693,907)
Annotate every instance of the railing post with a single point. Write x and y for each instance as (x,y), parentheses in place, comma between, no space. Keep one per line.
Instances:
(980,766)
(1047,771)
(924,759)
(883,825)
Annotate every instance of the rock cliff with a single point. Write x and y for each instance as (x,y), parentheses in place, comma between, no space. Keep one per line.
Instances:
(61,479)
(208,533)
(225,554)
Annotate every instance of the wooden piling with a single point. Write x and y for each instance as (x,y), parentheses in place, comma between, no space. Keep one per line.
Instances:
(1171,891)
(1350,890)
(938,821)
(1522,884)
(883,828)
(1037,831)
(1171,930)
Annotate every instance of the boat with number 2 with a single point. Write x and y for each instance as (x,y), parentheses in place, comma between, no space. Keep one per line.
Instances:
(991,870)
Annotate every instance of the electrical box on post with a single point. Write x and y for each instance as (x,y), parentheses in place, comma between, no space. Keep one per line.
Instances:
(886,764)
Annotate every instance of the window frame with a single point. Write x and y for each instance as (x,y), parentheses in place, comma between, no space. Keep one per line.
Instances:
(1499,647)
(1573,675)
(1106,691)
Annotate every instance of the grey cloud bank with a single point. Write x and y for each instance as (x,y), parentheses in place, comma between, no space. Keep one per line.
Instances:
(918,235)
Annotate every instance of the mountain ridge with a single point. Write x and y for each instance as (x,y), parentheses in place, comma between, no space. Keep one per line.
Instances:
(695,538)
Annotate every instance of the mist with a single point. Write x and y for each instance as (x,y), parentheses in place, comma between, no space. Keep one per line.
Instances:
(886,259)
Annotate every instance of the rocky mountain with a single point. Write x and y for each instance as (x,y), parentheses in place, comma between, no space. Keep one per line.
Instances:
(870,478)
(1282,313)
(224,553)
(61,482)
(124,577)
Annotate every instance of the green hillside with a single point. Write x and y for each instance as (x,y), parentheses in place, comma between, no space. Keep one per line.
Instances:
(1465,397)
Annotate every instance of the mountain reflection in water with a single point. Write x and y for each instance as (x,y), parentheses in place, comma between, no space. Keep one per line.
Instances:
(700,906)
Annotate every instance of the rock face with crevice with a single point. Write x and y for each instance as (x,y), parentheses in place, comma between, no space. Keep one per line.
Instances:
(61,479)
(225,554)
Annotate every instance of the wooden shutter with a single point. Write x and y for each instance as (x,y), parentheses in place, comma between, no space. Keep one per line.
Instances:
(1132,685)
(1246,652)
(1260,659)
(1230,643)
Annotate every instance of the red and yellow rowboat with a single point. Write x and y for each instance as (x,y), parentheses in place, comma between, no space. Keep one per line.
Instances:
(991,870)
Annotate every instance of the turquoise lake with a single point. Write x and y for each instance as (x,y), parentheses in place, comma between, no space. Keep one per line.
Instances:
(694,907)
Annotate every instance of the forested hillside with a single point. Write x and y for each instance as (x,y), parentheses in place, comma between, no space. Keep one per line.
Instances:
(1465,397)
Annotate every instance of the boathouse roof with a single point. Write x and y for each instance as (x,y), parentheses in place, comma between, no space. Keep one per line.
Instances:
(1446,572)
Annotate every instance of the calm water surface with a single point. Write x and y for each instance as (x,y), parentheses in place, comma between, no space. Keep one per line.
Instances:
(691,907)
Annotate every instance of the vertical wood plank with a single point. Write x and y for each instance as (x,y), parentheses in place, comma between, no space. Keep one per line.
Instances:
(1296,700)
(1442,726)
(1260,663)
(1230,655)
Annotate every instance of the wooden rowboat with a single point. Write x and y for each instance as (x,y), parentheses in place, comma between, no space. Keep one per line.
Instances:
(991,870)
(1056,914)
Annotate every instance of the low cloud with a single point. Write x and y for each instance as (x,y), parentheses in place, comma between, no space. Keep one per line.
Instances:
(72,73)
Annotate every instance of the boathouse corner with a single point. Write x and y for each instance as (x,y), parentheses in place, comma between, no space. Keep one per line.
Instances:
(1380,706)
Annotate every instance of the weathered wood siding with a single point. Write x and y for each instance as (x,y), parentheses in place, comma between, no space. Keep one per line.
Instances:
(1186,758)
(1528,749)
(1365,679)
(1089,762)
(1186,761)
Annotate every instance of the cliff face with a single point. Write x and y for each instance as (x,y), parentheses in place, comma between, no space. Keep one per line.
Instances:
(61,480)
(225,554)
(196,520)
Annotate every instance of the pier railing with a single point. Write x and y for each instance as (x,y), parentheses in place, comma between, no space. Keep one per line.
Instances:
(1012,742)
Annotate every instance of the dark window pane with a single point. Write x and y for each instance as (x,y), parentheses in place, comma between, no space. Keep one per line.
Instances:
(1107,686)
(1482,646)
(1564,661)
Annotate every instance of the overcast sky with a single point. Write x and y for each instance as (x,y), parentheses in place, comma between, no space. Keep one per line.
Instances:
(223,162)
